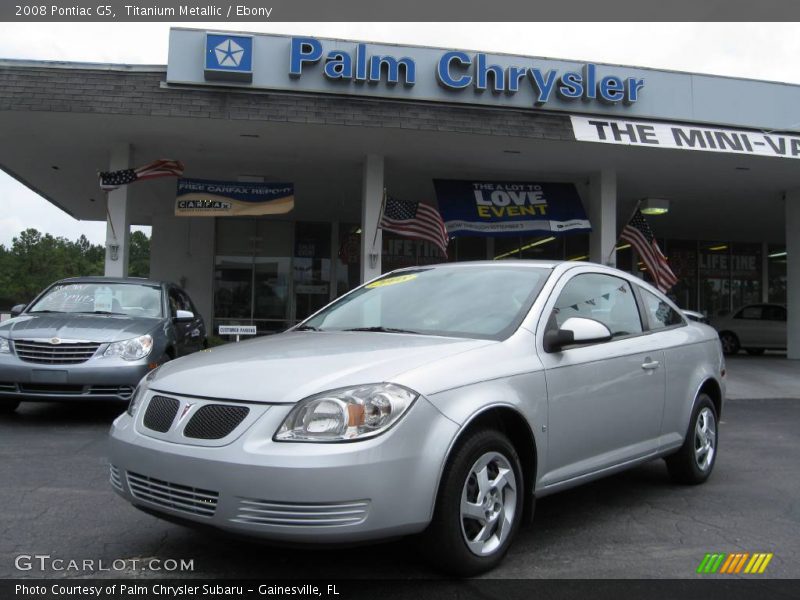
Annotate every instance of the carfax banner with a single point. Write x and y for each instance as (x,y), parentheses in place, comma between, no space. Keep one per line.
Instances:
(498,208)
(204,198)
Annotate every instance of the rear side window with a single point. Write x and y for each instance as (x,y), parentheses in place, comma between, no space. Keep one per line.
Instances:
(603,298)
(659,313)
(749,312)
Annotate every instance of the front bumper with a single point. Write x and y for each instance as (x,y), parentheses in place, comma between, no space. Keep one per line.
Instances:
(96,379)
(246,483)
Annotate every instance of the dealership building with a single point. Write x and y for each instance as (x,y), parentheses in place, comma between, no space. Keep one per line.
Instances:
(712,160)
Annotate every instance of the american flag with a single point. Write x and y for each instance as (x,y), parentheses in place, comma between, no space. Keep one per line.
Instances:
(414,220)
(638,233)
(111,180)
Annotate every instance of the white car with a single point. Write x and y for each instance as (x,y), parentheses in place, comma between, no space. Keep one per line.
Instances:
(756,327)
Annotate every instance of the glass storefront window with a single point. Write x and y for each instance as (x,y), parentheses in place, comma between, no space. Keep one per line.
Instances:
(682,257)
(467,248)
(715,278)
(251,277)
(745,274)
(776,274)
(400,252)
(312,268)
(348,261)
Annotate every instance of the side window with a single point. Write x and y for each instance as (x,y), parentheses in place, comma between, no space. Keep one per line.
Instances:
(659,313)
(175,302)
(185,302)
(749,312)
(600,297)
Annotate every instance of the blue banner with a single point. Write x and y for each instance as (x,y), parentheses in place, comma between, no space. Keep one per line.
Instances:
(204,198)
(505,208)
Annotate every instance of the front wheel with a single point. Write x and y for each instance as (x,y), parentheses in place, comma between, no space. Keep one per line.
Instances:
(695,460)
(479,506)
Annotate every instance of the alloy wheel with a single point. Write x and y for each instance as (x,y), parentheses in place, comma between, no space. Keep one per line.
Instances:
(488,503)
(705,439)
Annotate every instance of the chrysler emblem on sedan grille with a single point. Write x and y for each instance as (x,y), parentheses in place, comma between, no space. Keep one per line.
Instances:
(55,341)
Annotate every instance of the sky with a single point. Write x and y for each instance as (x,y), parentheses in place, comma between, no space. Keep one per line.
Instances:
(768,51)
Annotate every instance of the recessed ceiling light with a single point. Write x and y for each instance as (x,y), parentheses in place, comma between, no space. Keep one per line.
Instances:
(654,206)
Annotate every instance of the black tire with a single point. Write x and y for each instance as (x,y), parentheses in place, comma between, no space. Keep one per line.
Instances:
(755,351)
(444,543)
(730,342)
(8,406)
(685,465)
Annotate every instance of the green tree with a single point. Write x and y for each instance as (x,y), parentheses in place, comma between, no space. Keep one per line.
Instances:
(35,260)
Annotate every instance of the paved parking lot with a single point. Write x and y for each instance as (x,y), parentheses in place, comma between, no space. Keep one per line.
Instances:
(55,500)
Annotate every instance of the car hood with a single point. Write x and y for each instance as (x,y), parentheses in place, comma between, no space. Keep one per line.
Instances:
(93,328)
(288,367)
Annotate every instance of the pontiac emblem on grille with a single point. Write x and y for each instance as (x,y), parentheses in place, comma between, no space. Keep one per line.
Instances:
(186,408)
(55,341)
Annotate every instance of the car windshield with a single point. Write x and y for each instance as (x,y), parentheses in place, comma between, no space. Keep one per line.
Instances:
(481,301)
(132,299)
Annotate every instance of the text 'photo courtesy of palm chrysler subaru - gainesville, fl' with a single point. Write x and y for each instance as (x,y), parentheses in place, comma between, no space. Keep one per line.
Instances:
(439,401)
(93,338)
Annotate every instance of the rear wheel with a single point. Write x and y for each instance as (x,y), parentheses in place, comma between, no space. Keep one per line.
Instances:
(479,506)
(730,342)
(695,460)
(8,406)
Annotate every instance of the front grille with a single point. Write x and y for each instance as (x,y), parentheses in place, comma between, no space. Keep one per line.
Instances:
(182,498)
(45,353)
(114,477)
(160,413)
(53,389)
(7,387)
(334,514)
(215,421)
(123,391)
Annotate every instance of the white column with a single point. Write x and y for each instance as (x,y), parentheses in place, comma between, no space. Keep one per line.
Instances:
(118,224)
(792,200)
(371,200)
(603,217)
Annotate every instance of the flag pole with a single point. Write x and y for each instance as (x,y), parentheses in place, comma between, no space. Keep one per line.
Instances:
(614,247)
(380,216)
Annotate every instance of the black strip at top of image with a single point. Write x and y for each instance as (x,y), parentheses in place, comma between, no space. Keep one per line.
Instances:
(398,10)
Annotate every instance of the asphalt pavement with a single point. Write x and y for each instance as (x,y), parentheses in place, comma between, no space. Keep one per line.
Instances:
(55,500)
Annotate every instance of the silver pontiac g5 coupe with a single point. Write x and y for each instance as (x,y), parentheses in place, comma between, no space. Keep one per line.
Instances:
(439,401)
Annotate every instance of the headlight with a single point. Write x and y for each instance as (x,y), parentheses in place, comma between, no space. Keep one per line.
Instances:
(136,399)
(5,347)
(132,349)
(347,414)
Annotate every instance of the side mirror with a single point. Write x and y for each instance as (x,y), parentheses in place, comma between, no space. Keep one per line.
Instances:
(17,310)
(576,330)
(182,316)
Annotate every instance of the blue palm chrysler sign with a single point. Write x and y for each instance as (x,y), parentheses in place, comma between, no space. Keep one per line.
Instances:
(310,64)
(229,57)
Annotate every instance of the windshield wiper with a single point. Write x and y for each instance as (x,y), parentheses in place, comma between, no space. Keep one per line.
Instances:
(99,312)
(307,328)
(380,329)
(31,312)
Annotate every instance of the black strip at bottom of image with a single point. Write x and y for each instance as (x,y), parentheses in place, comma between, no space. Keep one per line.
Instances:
(374,589)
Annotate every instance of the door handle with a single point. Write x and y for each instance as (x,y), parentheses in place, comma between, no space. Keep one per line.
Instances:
(649,365)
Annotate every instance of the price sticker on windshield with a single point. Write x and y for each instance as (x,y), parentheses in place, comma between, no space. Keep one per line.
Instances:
(103,300)
(391,281)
